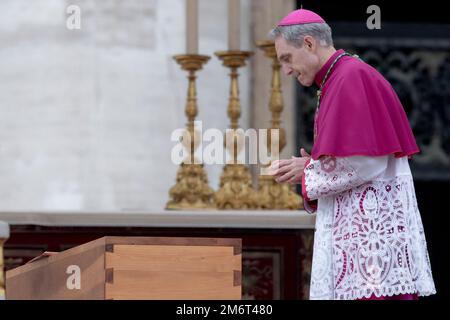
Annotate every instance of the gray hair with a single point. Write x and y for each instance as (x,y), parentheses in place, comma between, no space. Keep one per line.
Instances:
(295,34)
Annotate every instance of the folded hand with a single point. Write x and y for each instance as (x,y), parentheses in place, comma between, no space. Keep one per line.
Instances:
(290,170)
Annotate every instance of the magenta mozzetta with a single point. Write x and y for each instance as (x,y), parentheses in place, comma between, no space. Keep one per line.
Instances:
(360,113)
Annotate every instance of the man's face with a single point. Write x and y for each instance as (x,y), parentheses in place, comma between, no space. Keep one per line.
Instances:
(301,63)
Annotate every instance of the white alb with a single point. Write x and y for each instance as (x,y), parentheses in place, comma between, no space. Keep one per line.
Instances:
(369,236)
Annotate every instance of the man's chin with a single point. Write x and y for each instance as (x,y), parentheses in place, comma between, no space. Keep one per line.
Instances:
(305,84)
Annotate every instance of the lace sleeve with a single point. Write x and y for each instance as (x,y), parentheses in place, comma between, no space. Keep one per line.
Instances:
(332,175)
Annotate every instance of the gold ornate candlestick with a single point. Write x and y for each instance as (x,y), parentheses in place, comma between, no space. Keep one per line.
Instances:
(191,190)
(236,190)
(272,195)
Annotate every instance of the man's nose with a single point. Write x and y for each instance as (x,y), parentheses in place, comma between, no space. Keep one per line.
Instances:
(287,70)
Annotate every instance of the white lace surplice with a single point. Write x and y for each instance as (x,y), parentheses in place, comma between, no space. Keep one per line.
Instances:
(369,236)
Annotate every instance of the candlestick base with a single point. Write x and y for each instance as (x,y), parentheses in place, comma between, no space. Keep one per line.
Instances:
(191,190)
(236,190)
(275,196)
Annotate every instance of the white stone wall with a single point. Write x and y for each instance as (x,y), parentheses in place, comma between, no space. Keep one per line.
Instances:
(86,115)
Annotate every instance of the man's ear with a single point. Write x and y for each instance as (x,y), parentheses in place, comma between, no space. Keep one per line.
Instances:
(309,42)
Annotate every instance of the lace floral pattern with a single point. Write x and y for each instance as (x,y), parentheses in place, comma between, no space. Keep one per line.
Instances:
(369,239)
(331,176)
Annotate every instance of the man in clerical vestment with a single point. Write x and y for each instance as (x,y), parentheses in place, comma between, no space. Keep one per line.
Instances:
(369,240)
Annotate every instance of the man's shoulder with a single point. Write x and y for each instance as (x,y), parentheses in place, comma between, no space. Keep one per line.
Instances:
(355,72)
(353,67)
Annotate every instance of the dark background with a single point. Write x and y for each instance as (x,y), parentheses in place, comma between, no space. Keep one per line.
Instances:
(391,11)
(419,35)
